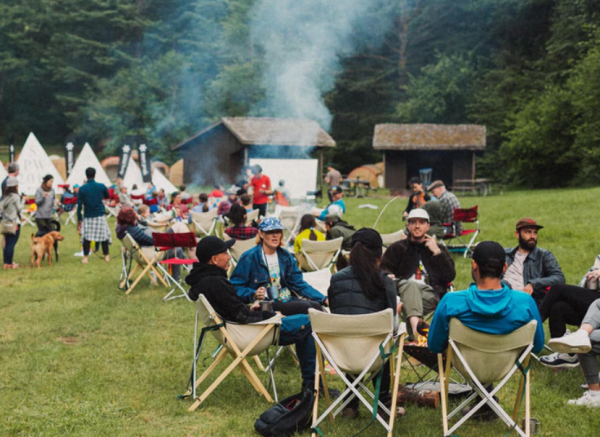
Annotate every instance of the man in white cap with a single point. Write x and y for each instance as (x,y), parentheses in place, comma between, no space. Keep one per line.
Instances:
(423,267)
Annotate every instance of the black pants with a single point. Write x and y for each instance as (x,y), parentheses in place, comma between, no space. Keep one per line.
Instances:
(566,305)
(44,226)
(86,247)
(262,209)
(296,307)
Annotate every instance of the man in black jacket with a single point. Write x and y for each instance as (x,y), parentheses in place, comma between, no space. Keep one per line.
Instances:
(423,268)
(209,277)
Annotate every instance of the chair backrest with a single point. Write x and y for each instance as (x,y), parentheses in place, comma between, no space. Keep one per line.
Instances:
(134,249)
(490,356)
(318,255)
(392,238)
(240,247)
(242,335)
(170,240)
(319,280)
(203,222)
(251,216)
(353,340)
(465,215)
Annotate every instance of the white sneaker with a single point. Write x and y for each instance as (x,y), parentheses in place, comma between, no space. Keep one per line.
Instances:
(560,361)
(584,386)
(575,343)
(587,400)
(79,254)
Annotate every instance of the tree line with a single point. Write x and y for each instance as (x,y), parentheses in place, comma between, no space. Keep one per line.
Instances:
(529,70)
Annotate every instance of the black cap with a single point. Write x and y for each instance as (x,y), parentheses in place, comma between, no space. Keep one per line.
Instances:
(489,253)
(370,238)
(336,190)
(211,246)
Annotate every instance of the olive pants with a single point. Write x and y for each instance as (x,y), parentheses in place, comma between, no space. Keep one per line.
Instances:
(417,299)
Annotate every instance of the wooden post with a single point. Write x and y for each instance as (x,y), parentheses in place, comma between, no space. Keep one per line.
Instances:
(473,167)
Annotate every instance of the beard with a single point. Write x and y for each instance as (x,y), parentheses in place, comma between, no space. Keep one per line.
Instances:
(527,244)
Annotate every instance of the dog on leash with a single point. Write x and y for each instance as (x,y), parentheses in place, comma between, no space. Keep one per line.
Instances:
(43,245)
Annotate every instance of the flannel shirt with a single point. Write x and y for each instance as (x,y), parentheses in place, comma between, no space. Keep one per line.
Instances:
(241,232)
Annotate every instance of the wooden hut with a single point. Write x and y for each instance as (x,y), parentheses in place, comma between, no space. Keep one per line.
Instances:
(449,150)
(218,153)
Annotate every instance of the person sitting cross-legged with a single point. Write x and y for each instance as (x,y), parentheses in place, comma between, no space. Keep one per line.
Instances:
(209,277)
(487,306)
(423,267)
(586,343)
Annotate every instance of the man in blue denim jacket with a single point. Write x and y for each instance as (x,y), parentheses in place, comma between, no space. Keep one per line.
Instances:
(270,272)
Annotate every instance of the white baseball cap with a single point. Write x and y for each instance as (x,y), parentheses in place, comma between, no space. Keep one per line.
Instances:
(418,213)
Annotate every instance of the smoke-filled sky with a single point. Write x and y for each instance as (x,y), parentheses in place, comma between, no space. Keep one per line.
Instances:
(303,43)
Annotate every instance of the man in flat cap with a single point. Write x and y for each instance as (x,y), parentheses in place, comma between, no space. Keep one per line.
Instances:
(530,268)
(449,203)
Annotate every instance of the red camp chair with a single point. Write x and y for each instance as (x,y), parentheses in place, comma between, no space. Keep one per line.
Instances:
(463,215)
(167,241)
(69,205)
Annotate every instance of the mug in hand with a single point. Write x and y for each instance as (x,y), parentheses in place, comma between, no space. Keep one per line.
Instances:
(273,292)
(266,305)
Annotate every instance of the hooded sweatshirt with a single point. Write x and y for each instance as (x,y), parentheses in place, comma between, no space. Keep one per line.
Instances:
(212,282)
(490,311)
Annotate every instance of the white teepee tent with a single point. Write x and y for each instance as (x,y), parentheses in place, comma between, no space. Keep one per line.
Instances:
(34,164)
(87,158)
(133,176)
(161,182)
(3,172)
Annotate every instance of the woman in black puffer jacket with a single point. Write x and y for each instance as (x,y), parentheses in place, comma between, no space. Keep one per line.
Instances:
(362,288)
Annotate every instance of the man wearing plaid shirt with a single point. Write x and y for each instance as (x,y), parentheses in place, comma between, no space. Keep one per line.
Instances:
(448,201)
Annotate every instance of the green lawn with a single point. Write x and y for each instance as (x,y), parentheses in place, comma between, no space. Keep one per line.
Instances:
(80,358)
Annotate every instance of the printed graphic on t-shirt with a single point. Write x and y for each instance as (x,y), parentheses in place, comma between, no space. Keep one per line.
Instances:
(275,275)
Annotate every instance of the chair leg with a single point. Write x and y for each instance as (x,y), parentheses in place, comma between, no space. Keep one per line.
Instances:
(318,364)
(259,363)
(527,406)
(443,393)
(396,382)
(253,378)
(220,357)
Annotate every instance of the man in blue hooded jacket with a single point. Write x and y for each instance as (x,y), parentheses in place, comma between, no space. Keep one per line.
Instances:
(488,305)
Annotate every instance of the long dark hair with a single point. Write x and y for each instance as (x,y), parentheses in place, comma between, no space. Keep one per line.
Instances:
(10,190)
(365,264)
(308,222)
(237,215)
(203,198)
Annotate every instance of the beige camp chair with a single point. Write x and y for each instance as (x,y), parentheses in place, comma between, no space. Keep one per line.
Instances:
(319,255)
(389,239)
(238,249)
(239,341)
(289,216)
(483,359)
(319,280)
(203,223)
(144,257)
(351,345)
(251,216)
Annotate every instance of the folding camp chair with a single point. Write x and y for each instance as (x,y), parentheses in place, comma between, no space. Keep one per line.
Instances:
(318,255)
(251,216)
(69,206)
(171,241)
(144,257)
(238,249)
(289,216)
(356,345)
(462,215)
(483,359)
(204,223)
(319,280)
(239,341)
(111,210)
(389,239)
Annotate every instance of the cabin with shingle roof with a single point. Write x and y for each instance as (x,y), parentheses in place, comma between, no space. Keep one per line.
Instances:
(219,153)
(449,150)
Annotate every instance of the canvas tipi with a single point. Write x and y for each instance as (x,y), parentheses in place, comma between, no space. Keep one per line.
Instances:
(87,158)
(161,182)
(133,176)
(34,164)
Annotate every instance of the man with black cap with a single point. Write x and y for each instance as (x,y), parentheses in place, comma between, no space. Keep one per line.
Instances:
(531,269)
(336,228)
(487,306)
(337,205)
(209,277)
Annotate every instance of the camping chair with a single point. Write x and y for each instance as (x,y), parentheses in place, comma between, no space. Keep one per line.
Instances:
(238,249)
(239,341)
(203,223)
(318,255)
(251,216)
(389,239)
(289,216)
(462,215)
(111,210)
(483,359)
(28,212)
(145,257)
(69,205)
(171,241)
(356,345)
(319,280)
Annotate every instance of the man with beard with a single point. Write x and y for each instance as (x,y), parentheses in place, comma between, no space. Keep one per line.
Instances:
(423,267)
(531,269)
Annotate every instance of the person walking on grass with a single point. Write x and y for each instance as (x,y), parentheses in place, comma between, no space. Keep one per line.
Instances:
(90,215)
(11,212)
(45,198)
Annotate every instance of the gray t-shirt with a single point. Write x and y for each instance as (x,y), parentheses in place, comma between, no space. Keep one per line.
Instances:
(514,272)
(334,177)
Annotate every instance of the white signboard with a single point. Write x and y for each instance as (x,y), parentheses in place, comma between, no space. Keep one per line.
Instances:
(300,175)
(34,164)
(87,158)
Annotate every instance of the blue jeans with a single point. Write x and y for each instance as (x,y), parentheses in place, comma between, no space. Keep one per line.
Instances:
(10,241)
(296,330)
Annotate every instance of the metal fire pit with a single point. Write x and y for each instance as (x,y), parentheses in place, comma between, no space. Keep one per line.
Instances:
(423,355)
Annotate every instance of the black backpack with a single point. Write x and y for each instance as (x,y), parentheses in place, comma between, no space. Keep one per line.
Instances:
(288,416)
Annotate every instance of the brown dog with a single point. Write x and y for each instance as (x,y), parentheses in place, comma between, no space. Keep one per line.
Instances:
(41,246)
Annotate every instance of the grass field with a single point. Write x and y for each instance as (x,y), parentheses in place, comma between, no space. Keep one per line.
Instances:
(79,358)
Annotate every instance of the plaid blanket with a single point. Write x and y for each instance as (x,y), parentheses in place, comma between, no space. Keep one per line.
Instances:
(96,229)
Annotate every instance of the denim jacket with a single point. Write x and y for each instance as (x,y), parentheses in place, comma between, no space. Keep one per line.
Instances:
(540,269)
(251,273)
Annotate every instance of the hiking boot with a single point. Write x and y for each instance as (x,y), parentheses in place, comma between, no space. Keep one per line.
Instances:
(560,361)
(575,343)
(587,400)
